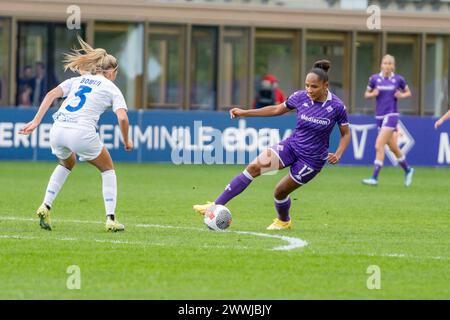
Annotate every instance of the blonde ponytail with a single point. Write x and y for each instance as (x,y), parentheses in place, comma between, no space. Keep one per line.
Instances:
(88,59)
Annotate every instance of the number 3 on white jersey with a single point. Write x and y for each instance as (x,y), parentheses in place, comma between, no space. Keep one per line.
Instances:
(81,93)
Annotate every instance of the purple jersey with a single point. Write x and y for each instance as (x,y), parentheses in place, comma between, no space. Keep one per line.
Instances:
(315,122)
(386,100)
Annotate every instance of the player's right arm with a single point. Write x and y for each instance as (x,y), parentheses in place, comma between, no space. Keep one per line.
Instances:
(124,125)
(371,90)
(269,111)
(371,94)
(45,105)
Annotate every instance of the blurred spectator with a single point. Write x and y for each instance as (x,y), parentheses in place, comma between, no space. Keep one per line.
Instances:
(25,97)
(25,83)
(42,84)
(268,93)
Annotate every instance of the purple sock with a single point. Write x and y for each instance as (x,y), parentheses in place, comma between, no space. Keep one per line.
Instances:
(282,207)
(402,162)
(236,186)
(376,169)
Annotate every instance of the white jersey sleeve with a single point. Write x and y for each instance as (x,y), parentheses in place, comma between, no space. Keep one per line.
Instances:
(118,101)
(66,86)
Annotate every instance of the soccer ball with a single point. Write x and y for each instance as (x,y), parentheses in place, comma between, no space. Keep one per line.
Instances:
(217,217)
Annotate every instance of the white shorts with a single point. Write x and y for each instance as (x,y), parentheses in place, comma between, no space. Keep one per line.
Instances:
(84,142)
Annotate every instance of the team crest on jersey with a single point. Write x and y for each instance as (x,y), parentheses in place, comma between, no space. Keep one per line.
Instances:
(378,80)
(393,80)
(329,108)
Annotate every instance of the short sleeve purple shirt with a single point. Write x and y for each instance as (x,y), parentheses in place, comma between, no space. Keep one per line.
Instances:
(386,100)
(315,122)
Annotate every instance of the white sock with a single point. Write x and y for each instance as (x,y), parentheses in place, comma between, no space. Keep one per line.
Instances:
(109,191)
(55,184)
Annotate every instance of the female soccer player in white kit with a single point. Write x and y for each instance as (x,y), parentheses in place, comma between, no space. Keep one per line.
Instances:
(75,123)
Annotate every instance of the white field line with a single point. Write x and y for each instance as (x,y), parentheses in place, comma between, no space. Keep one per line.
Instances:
(293,243)
(20,237)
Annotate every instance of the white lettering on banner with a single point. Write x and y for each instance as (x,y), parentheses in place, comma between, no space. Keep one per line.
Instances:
(20,139)
(105,137)
(118,137)
(140,138)
(6,134)
(171,138)
(206,137)
(10,137)
(34,137)
(156,136)
(210,144)
(444,149)
(196,143)
(230,139)
(360,146)
(44,135)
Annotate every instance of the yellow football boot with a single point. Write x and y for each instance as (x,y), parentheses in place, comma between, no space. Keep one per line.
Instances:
(280,225)
(114,225)
(44,217)
(201,208)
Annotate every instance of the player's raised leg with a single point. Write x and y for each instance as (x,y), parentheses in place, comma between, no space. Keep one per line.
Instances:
(55,184)
(384,136)
(109,185)
(267,161)
(401,158)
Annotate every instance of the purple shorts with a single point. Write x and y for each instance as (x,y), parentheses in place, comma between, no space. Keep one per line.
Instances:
(389,121)
(299,170)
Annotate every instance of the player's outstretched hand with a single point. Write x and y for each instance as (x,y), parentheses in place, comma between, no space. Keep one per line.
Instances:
(236,113)
(29,127)
(332,158)
(438,123)
(128,145)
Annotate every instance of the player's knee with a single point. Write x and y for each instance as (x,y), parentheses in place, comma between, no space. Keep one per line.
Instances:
(254,169)
(68,164)
(379,147)
(107,167)
(68,167)
(280,194)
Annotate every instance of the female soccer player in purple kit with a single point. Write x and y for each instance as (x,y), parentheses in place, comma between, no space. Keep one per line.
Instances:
(387,87)
(305,151)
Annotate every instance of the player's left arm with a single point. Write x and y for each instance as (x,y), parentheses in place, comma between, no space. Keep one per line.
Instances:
(334,158)
(403,94)
(124,125)
(403,90)
(43,108)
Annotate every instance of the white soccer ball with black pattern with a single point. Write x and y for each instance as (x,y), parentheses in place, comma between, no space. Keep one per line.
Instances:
(217,217)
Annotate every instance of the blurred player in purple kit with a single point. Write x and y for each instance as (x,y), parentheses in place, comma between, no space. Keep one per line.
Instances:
(387,87)
(305,151)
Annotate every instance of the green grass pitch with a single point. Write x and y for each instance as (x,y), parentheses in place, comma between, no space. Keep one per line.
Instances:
(167,253)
